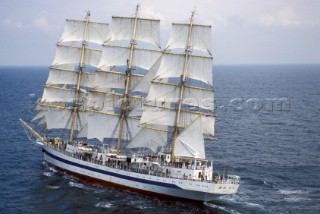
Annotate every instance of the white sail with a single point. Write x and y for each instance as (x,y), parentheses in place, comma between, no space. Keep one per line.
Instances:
(197,97)
(199,68)
(163,117)
(42,121)
(39,115)
(170,94)
(148,138)
(200,37)
(190,142)
(74,31)
(72,55)
(57,95)
(137,110)
(131,128)
(144,83)
(87,79)
(119,55)
(207,124)
(101,126)
(60,76)
(83,133)
(102,102)
(70,77)
(58,118)
(147,30)
(107,80)
(162,93)
(157,116)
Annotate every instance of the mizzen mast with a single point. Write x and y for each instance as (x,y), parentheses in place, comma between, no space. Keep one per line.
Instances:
(180,99)
(182,85)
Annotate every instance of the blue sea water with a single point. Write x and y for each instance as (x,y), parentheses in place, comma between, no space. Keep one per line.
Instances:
(268,130)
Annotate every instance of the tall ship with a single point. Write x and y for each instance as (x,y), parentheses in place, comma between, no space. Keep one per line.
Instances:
(119,110)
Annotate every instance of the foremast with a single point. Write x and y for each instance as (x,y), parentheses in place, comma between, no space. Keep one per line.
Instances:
(71,76)
(81,65)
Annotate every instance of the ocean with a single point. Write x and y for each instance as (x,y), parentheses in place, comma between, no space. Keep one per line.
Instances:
(268,130)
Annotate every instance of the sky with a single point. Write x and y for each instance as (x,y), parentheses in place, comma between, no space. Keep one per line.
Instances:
(243,31)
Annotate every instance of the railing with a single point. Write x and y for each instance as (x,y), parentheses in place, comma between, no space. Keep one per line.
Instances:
(137,169)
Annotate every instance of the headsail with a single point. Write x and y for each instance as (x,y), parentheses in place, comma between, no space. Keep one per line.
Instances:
(190,143)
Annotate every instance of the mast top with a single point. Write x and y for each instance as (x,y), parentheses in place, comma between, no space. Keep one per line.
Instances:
(88,14)
(192,16)
(137,10)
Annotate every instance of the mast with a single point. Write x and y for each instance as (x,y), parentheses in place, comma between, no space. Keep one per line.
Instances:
(80,46)
(132,43)
(182,86)
(191,99)
(81,65)
(124,104)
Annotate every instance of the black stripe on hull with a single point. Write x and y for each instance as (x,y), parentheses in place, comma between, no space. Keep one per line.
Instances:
(95,181)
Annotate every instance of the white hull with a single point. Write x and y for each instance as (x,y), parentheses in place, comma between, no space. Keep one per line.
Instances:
(171,187)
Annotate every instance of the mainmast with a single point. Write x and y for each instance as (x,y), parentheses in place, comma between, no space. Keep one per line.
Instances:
(124,105)
(182,86)
(131,48)
(81,65)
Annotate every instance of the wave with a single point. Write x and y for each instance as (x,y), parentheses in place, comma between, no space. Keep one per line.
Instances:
(53,169)
(241,200)
(54,187)
(141,207)
(219,207)
(296,199)
(78,185)
(104,204)
(48,174)
(254,205)
(294,195)
(293,192)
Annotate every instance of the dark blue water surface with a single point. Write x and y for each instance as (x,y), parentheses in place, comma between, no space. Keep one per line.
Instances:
(268,130)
